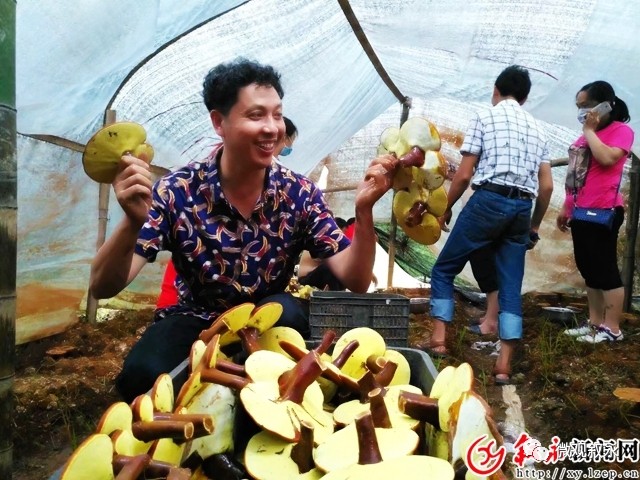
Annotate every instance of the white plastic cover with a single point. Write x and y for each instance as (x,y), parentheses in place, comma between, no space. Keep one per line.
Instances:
(146,60)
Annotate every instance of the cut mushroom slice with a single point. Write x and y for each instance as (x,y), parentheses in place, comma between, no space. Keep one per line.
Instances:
(402,375)
(420,132)
(270,340)
(461,382)
(433,172)
(340,450)
(427,232)
(162,394)
(437,202)
(371,465)
(124,443)
(279,405)
(117,417)
(471,420)
(370,343)
(268,457)
(442,381)
(346,413)
(91,460)
(104,150)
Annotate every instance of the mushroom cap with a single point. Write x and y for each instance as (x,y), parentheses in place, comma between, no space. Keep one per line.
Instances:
(124,443)
(341,448)
(270,340)
(433,172)
(103,151)
(268,457)
(412,467)
(166,450)
(262,318)
(402,375)
(420,132)
(403,200)
(345,413)
(117,417)
(427,232)
(162,394)
(261,401)
(461,382)
(370,343)
(441,381)
(393,142)
(437,202)
(403,178)
(91,460)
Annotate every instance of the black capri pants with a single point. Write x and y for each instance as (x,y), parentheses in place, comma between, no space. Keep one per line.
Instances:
(595,248)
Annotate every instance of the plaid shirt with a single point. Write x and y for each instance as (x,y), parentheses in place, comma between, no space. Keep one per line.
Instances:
(223,259)
(510,144)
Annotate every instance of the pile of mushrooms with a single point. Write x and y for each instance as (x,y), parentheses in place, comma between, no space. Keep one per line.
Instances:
(344,409)
(420,197)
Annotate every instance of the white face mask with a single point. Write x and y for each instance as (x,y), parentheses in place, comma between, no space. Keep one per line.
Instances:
(582,114)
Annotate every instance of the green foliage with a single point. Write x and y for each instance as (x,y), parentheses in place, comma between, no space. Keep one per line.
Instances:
(7,52)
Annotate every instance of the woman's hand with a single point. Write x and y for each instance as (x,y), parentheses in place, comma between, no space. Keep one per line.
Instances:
(562,221)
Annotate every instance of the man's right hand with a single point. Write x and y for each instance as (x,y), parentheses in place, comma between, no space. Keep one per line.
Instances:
(132,187)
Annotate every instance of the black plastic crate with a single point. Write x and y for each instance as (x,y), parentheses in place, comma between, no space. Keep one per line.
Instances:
(386,313)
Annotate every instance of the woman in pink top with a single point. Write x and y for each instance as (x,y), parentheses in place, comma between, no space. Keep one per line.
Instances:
(596,162)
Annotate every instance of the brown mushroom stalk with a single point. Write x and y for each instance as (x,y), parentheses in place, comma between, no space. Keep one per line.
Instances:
(202,423)
(154,430)
(419,407)
(213,375)
(414,158)
(249,338)
(369,450)
(218,327)
(302,452)
(416,212)
(130,468)
(306,371)
(331,374)
(378,407)
(344,355)
(228,366)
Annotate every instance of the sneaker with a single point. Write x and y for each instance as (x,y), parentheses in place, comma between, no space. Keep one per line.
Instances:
(586,329)
(602,334)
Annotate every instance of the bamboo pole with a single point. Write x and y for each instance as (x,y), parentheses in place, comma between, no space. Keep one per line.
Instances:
(103,218)
(629,259)
(406,106)
(8,231)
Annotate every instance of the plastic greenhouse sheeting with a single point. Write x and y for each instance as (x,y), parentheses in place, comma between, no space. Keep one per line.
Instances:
(146,60)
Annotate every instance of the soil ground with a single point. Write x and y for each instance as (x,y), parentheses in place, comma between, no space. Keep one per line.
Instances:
(63,384)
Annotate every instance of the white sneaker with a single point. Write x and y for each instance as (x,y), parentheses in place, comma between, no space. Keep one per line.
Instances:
(603,334)
(586,329)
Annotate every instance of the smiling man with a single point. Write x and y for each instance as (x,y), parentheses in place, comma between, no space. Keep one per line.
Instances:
(235,223)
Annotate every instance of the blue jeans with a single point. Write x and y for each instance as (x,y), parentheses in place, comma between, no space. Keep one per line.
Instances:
(487,218)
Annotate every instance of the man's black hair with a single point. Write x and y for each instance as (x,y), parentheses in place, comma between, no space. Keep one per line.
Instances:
(223,82)
(514,82)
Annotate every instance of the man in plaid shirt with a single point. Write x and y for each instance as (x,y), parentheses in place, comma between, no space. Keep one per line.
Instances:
(505,158)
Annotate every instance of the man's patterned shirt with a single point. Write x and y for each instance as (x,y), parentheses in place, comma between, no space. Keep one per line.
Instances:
(223,259)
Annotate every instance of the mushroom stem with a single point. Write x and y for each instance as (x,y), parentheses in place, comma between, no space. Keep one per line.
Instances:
(202,423)
(376,363)
(213,375)
(346,352)
(152,468)
(385,375)
(130,468)
(368,448)
(176,430)
(302,452)
(420,407)
(334,376)
(414,158)
(249,337)
(417,211)
(218,327)
(327,339)
(230,367)
(296,380)
(379,412)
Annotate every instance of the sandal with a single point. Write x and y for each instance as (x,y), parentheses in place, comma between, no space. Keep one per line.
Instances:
(501,379)
(437,349)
